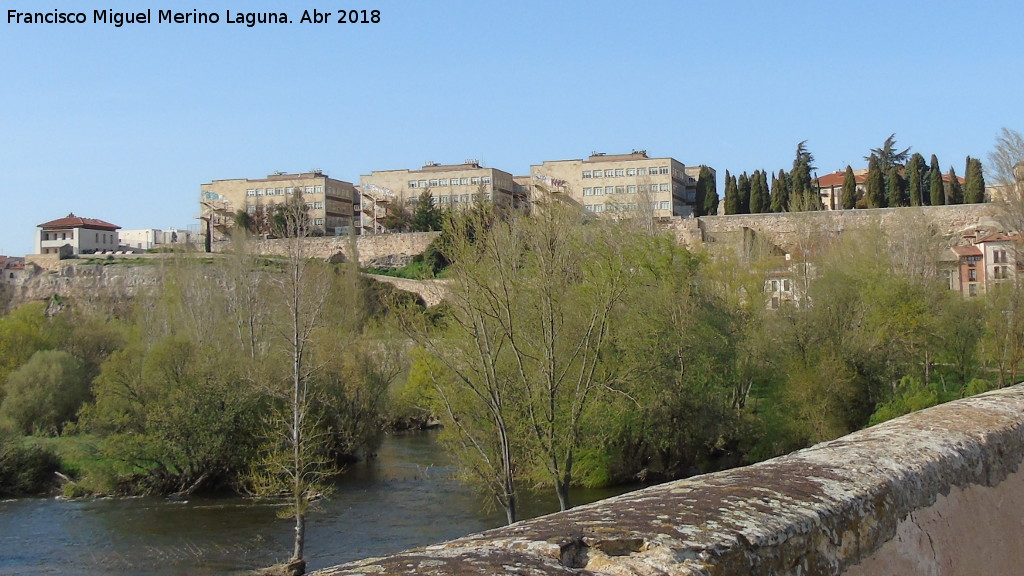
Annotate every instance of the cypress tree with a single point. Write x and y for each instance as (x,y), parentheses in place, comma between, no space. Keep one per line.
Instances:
(743,194)
(974,187)
(875,194)
(707,190)
(956,191)
(894,189)
(759,200)
(731,202)
(849,189)
(913,177)
(936,191)
(780,192)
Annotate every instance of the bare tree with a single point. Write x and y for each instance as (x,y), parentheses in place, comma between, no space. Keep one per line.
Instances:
(296,461)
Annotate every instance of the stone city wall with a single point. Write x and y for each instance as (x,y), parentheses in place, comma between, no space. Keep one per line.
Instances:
(376,250)
(783,229)
(938,492)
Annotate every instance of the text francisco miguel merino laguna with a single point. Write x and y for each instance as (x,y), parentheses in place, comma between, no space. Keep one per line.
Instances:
(119,19)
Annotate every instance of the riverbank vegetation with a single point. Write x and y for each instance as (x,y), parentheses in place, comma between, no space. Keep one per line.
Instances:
(570,352)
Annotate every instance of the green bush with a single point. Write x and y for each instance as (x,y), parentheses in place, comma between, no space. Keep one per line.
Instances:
(25,470)
(45,393)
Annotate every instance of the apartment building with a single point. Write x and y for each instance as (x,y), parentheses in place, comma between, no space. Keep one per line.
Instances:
(984,263)
(622,183)
(329,202)
(451,185)
(74,235)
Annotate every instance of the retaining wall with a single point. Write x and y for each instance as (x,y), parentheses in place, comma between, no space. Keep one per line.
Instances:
(380,250)
(939,492)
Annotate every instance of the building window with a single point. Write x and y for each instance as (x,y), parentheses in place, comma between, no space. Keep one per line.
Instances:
(432,184)
(475,180)
(464,181)
(631,189)
(631,172)
(586,173)
(972,274)
(785,285)
(619,172)
(664,188)
(972,289)
(319,189)
(486,180)
(588,207)
(620,189)
(412,184)
(422,184)
(641,171)
(663,170)
(588,191)
(442,199)
(442,182)
(666,205)
(250,192)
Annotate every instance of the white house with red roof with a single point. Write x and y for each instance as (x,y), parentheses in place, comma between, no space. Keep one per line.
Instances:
(80,235)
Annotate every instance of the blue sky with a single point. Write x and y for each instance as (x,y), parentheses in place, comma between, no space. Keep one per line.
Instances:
(123,124)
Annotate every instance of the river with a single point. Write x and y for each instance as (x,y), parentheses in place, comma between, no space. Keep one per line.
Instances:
(405,497)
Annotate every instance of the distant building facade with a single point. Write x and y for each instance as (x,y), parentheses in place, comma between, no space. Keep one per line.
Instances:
(985,263)
(622,183)
(451,185)
(830,188)
(74,235)
(150,238)
(329,202)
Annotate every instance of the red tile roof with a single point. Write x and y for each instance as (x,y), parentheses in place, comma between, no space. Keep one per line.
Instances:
(72,221)
(836,179)
(967,250)
(1000,237)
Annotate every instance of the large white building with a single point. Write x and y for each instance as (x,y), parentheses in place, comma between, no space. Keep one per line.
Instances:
(149,238)
(76,235)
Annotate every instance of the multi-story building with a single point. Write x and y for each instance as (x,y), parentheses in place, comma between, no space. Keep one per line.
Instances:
(329,202)
(984,263)
(74,235)
(451,185)
(622,183)
(830,187)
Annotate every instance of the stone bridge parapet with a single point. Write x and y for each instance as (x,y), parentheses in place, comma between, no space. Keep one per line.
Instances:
(938,492)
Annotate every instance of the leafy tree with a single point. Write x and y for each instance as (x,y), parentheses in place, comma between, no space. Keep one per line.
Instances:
(914,174)
(45,393)
(936,190)
(849,189)
(956,190)
(23,332)
(888,156)
(974,187)
(426,216)
(875,186)
(24,470)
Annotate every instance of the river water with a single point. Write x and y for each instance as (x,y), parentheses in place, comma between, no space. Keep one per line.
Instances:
(405,497)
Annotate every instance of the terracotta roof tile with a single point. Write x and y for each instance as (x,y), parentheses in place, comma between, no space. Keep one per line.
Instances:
(72,221)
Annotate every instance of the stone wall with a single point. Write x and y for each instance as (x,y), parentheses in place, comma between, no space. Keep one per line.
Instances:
(376,250)
(938,492)
(784,229)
